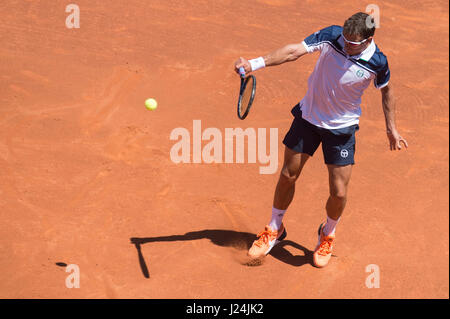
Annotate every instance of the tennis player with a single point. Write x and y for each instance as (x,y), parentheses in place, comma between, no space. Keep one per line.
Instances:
(329,114)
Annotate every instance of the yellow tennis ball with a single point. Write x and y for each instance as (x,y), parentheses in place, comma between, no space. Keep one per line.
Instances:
(151,104)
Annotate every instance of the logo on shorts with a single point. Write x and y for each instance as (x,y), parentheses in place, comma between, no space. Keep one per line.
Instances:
(344,153)
(360,73)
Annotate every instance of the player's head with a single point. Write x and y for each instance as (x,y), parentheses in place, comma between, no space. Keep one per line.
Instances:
(358,32)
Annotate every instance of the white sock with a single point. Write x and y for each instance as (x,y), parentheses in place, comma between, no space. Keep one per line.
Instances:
(277,218)
(330,226)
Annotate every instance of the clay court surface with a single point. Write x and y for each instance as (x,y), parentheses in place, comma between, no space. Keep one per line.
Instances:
(87,178)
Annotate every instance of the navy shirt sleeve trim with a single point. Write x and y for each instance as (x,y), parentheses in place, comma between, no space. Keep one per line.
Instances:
(329,34)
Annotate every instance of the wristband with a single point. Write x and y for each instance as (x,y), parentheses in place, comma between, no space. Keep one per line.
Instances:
(257,63)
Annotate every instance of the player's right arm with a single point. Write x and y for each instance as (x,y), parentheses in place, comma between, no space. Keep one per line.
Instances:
(291,52)
(288,53)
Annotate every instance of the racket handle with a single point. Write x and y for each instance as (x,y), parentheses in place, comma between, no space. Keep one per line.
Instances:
(242,71)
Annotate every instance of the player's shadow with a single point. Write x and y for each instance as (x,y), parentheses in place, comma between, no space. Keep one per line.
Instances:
(228,238)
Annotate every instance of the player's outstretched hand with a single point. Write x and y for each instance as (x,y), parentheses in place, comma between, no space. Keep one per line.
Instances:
(395,141)
(244,63)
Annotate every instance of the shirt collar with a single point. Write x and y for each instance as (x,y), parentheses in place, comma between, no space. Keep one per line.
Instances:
(365,55)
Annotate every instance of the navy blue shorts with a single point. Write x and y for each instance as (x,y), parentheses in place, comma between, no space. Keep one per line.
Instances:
(338,145)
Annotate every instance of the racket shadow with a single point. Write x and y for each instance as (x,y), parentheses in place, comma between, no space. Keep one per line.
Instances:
(225,238)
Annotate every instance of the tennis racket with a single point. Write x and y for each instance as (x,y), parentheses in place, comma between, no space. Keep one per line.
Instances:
(246,94)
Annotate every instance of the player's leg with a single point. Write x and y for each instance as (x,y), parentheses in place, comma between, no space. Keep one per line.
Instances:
(339,150)
(285,189)
(301,142)
(284,192)
(292,167)
(339,178)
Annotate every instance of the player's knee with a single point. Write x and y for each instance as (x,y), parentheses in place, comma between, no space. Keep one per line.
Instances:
(288,178)
(339,194)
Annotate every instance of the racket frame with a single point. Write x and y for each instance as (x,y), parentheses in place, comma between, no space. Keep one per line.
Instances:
(244,83)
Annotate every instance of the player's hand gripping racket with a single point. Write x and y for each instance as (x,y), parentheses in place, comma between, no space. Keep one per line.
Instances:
(246,94)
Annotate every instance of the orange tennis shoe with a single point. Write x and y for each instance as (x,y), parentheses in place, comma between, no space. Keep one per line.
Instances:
(267,239)
(322,253)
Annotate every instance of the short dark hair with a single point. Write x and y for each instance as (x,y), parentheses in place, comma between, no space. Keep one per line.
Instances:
(360,24)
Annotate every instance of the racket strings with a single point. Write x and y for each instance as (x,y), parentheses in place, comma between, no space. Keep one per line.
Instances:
(247,92)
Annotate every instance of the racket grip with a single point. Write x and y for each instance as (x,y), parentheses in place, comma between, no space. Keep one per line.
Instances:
(242,71)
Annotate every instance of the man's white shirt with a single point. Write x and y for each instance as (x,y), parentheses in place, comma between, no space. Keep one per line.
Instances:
(336,85)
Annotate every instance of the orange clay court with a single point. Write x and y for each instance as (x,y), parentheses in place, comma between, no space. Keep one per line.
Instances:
(87,177)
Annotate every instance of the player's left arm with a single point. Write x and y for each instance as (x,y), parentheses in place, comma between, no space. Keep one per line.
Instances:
(388,101)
